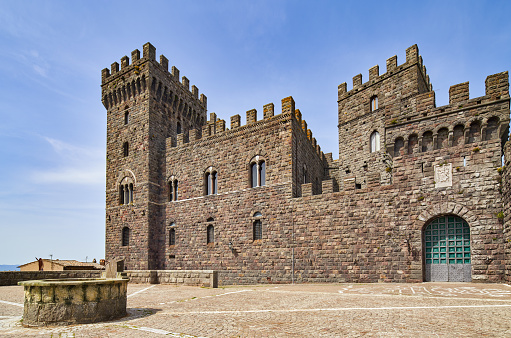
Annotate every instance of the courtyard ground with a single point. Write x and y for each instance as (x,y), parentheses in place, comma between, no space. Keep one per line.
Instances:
(300,310)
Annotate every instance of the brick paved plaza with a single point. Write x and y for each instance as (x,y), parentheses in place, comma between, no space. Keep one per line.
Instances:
(302,310)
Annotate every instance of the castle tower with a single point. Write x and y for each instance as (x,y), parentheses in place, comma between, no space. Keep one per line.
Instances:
(368,108)
(146,104)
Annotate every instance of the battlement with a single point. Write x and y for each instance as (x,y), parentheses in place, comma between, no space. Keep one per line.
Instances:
(218,127)
(128,80)
(423,106)
(412,58)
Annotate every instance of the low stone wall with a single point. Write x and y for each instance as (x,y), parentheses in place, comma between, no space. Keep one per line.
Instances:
(13,277)
(206,278)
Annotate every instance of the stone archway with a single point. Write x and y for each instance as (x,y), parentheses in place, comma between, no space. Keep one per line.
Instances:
(446,242)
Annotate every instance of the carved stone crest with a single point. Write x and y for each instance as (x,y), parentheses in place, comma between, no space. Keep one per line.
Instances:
(443,175)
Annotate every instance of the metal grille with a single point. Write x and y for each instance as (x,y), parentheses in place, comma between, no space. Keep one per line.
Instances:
(447,250)
(447,241)
(258,230)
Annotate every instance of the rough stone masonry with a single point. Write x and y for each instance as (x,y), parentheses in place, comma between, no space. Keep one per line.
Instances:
(418,193)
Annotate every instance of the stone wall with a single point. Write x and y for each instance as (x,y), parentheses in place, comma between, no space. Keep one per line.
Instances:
(13,277)
(506,207)
(433,161)
(204,278)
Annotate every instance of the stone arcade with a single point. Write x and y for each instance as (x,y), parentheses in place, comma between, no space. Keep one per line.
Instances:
(417,194)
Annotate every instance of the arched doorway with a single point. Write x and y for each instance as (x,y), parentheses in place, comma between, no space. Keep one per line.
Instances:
(447,253)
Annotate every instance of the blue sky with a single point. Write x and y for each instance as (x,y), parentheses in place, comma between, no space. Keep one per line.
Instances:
(241,55)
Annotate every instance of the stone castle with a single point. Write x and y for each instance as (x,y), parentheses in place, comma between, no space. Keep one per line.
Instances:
(419,192)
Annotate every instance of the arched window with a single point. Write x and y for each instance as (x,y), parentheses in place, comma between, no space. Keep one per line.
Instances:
(399,143)
(126,191)
(210,182)
(427,141)
(374,103)
(458,135)
(125,236)
(257,230)
(375,141)
(126,149)
(492,128)
(442,138)
(257,172)
(210,234)
(474,134)
(172,236)
(413,140)
(173,186)
(126,118)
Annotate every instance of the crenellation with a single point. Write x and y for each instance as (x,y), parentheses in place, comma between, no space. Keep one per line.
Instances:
(391,63)
(412,54)
(149,52)
(206,130)
(341,90)
(186,83)
(193,135)
(180,139)
(175,73)
(251,116)
(298,116)
(357,81)
(309,134)
(204,101)
(220,126)
(212,118)
(125,62)
(304,126)
(288,105)
(497,84)
(374,73)
(105,73)
(115,68)
(235,121)
(458,93)
(268,110)
(195,92)
(164,62)
(135,55)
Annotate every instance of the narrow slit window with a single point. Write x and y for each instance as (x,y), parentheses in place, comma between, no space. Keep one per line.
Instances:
(210,234)
(257,230)
(126,149)
(374,103)
(172,236)
(125,236)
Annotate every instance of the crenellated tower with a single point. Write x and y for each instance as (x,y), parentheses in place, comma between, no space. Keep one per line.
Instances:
(146,105)
(365,111)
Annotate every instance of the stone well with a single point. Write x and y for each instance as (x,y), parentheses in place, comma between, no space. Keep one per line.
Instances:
(73,301)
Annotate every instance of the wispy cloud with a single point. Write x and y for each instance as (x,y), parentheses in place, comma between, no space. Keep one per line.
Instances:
(70,175)
(77,165)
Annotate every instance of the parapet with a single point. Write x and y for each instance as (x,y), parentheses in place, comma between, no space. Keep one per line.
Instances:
(136,68)
(497,86)
(216,126)
(412,57)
